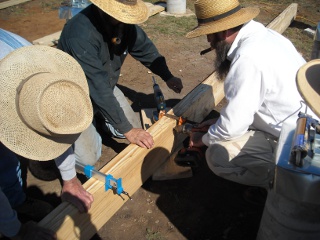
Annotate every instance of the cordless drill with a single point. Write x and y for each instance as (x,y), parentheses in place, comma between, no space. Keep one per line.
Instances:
(159,99)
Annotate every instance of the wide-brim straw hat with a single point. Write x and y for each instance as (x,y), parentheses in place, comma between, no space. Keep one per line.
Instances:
(308,83)
(44,102)
(126,11)
(219,15)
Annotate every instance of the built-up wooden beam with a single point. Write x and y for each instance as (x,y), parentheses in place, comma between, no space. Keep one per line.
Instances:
(134,165)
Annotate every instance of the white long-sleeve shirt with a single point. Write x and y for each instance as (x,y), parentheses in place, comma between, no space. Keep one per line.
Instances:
(260,87)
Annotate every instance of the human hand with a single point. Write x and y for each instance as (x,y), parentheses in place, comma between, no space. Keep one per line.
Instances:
(175,84)
(31,231)
(140,137)
(196,139)
(74,193)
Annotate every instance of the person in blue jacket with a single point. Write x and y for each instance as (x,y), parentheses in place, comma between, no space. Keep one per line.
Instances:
(100,37)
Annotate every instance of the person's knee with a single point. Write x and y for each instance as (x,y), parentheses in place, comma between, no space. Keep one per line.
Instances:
(217,157)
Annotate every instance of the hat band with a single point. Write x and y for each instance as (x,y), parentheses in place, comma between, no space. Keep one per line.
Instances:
(218,17)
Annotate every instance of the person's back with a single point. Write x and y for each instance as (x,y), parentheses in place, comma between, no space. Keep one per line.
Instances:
(274,61)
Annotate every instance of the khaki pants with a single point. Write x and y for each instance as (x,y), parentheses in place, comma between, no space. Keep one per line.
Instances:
(247,160)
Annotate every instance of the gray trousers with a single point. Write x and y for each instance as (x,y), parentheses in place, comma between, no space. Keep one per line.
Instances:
(247,160)
(128,111)
(88,146)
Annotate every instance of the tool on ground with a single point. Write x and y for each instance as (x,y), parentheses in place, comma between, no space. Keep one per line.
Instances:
(306,140)
(108,179)
(159,99)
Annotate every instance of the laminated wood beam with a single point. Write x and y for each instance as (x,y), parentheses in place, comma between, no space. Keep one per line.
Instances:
(134,165)
(283,21)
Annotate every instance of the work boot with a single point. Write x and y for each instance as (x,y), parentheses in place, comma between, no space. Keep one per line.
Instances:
(33,209)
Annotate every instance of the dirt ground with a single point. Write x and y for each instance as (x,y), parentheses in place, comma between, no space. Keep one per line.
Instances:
(201,207)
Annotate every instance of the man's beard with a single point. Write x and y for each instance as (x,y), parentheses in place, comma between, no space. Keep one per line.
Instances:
(222,64)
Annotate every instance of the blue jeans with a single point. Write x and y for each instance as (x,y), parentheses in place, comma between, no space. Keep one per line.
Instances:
(10,177)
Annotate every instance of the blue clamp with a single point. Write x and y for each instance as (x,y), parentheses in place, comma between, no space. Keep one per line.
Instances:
(88,170)
(114,183)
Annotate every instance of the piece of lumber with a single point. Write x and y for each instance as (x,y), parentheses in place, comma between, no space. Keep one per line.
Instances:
(283,21)
(134,165)
(169,169)
(49,40)
(154,8)
(11,3)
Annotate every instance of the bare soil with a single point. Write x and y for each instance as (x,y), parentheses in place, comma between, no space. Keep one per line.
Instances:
(201,207)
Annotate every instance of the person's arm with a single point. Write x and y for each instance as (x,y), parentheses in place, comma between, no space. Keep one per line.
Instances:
(143,49)
(87,53)
(72,190)
(244,92)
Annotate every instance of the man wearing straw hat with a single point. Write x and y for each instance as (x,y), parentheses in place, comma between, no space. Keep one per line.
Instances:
(45,109)
(258,67)
(99,38)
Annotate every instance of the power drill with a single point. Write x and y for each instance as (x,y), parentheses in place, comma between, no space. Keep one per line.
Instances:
(159,98)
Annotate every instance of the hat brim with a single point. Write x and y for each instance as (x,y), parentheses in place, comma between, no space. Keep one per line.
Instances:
(134,14)
(16,67)
(308,84)
(242,16)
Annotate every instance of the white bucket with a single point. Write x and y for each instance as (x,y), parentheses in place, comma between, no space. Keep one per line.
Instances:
(176,6)
(285,219)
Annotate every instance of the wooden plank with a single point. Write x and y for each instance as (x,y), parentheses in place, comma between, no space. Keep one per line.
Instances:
(49,40)
(11,3)
(154,8)
(283,21)
(134,165)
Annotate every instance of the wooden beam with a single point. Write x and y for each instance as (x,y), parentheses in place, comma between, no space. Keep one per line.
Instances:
(49,40)
(283,21)
(134,165)
(10,3)
(154,8)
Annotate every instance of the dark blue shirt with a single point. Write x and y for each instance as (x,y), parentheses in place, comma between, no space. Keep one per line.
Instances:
(86,39)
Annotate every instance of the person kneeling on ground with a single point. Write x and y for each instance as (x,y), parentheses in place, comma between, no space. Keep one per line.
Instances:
(258,67)
(46,112)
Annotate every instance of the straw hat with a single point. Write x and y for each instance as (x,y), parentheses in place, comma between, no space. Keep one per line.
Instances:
(126,11)
(44,102)
(308,83)
(219,15)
